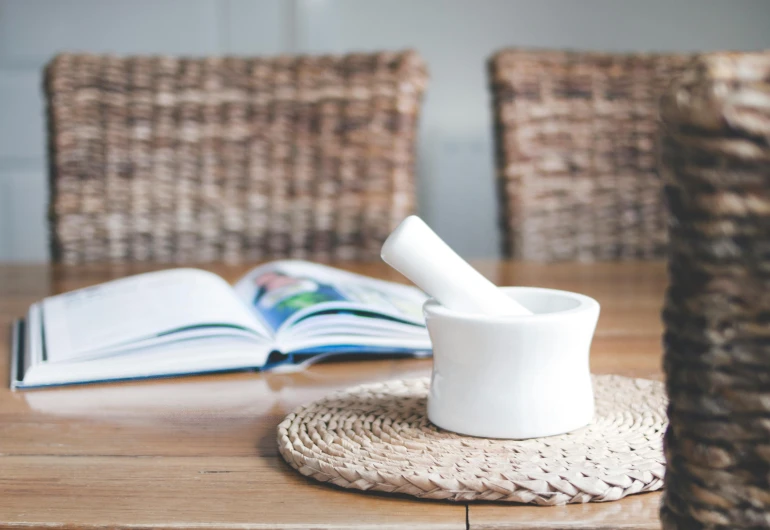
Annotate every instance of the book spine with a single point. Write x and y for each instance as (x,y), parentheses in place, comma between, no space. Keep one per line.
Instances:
(16,353)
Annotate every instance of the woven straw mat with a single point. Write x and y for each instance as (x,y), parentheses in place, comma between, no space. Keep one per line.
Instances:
(377,437)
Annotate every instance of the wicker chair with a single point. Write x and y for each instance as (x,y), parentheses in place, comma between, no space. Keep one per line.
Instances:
(716,171)
(575,139)
(194,160)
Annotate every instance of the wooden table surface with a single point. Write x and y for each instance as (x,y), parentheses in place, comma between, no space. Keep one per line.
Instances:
(201,452)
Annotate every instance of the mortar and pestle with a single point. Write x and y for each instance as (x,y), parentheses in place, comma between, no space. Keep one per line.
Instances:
(508,362)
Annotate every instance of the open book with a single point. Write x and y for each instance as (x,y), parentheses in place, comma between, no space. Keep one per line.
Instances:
(281,315)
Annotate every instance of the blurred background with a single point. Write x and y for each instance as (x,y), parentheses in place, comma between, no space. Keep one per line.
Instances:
(455,158)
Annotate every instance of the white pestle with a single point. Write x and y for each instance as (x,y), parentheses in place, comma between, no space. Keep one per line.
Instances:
(417,252)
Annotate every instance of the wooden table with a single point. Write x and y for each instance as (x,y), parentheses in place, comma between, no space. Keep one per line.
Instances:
(201,452)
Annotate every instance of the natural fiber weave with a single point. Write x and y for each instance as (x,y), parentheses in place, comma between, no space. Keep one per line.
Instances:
(377,437)
(716,169)
(576,157)
(178,160)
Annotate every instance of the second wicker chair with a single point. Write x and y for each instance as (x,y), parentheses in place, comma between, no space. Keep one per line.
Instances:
(575,136)
(176,160)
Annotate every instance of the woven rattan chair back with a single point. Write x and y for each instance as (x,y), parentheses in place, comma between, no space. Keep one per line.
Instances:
(715,166)
(576,157)
(197,160)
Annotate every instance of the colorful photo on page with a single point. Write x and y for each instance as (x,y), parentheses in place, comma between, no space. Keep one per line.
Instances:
(278,296)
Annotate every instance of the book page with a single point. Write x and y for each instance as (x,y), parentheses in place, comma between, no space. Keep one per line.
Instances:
(80,323)
(285,292)
(202,355)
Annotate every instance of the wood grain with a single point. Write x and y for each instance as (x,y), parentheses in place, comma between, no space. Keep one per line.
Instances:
(636,512)
(200,451)
(223,492)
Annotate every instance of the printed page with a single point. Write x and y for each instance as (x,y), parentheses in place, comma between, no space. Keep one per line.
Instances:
(193,334)
(285,292)
(80,323)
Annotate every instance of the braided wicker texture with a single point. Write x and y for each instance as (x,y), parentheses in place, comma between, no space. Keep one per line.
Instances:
(377,437)
(576,157)
(716,169)
(177,160)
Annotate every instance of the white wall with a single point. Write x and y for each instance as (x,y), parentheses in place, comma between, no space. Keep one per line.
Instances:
(455,37)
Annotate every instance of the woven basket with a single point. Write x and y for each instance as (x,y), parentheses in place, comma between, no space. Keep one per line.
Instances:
(716,170)
(176,160)
(575,135)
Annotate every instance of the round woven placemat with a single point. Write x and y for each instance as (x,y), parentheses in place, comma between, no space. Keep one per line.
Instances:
(377,437)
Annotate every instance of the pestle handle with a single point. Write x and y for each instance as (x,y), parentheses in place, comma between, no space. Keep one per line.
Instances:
(421,255)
